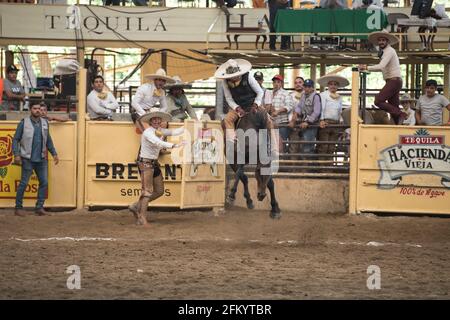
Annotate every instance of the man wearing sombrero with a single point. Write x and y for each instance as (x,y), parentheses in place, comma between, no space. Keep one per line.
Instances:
(177,102)
(242,91)
(388,97)
(406,101)
(151,145)
(150,94)
(331,111)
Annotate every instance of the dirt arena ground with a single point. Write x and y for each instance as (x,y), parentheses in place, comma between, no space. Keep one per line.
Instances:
(238,254)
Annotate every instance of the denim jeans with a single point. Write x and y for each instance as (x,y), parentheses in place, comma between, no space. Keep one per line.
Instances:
(41,169)
(284,134)
(308,134)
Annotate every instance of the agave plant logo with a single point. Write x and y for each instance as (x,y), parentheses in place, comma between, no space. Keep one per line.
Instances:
(422,132)
(6,154)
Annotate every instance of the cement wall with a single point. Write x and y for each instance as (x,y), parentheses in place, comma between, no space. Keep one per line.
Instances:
(301,195)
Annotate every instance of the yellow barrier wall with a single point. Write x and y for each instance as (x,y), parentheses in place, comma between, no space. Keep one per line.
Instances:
(404,169)
(112,177)
(62,178)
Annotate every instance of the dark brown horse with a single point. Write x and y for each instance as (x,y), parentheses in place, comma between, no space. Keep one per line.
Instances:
(253,147)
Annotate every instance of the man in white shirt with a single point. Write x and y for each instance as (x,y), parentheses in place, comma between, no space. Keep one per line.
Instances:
(151,145)
(430,106)
(150,94)
(100,103)
(388,97)
(280,108)
(295,131)
(331,111)
(406,101)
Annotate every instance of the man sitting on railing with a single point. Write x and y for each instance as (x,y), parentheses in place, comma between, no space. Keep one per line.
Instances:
(331,111)
(429,106)
(178,104)
(388,97)
(308,112)
(100,103)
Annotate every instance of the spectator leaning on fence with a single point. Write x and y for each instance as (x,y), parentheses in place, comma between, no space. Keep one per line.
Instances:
(294,135)
(177,102)
(308,112)
(259,77)
(388,97)
(280,108)
(429,107)
(331,111)
(100,103)
(406,101)
(13,91)
(30,144)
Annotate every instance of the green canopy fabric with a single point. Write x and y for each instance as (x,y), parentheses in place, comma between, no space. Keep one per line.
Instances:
(330,21)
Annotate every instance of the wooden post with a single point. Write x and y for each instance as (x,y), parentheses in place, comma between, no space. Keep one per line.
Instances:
(81,132)
(313,72)
(424,76)
(446,90)
(354,125)
(412,81)
(323,71)
(407,76)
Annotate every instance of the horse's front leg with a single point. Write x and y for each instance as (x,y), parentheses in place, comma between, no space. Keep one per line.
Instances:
(275,212)
(232,194)
(247,196)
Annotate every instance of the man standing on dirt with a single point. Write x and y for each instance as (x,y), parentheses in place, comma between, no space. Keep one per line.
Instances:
(30,144)
(151,145)
(388,99)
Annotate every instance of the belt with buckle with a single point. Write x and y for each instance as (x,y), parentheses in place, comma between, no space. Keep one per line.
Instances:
(152,161)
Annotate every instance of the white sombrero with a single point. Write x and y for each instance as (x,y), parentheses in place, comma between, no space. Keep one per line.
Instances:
(325,80)
(159,74)
(406,97)
(178,83)
(155,112)
(233,68)
(373,37)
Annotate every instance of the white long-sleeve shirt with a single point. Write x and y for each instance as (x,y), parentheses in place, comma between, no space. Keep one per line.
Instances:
(151,144)
(144,99)
(97,107)
(253,84)
(389,64)
(331,108)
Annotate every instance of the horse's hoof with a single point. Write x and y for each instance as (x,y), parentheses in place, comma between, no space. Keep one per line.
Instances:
(250,205)
(275,215)
(261,196)
(230,200)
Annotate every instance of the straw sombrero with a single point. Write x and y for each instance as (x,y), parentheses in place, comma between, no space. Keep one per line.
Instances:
(177,84)
(342,82)
(159,74)
(406,97)
(153,113)
(373,37)
(233,68)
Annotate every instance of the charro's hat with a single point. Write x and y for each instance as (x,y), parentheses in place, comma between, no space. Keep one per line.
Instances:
(374,36)
(155,113)
(159,74)
(406,97)
(177,84)
(325,80)
(233,68)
